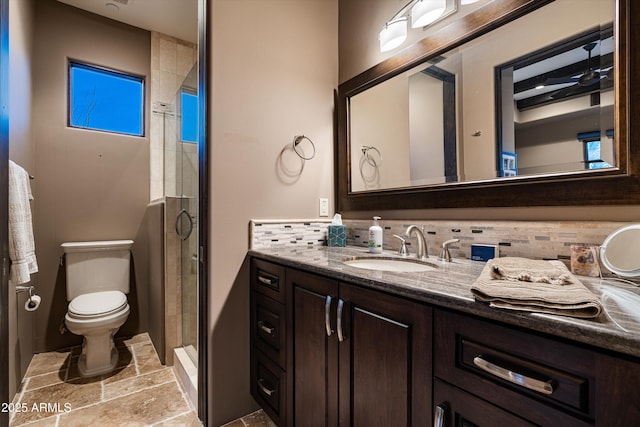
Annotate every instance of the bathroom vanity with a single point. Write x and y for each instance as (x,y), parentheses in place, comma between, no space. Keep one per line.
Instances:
(332,344)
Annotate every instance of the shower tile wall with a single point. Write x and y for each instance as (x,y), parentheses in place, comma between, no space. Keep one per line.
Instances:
(172,280)
(171,61)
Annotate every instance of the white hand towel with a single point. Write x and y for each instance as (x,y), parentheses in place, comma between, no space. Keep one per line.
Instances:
(21,243)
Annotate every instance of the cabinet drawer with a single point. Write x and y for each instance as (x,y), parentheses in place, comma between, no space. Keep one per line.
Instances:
(454,407)
(268,327)
(268,384)
(268,279)
(544,380)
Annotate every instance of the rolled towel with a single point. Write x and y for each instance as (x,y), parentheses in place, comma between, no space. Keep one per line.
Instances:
(571,299)
(528,270)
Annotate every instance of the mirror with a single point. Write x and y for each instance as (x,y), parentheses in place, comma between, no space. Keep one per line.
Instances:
(498,103)
(619,251)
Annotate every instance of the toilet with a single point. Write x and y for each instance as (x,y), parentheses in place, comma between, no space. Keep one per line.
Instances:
(97,288)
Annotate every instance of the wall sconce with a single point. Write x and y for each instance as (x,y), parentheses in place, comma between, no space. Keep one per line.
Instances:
(425,12)
(422,12)
(393,34)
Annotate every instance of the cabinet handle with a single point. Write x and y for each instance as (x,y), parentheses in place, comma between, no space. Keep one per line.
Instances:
(327,316)
(265,328)
(544,387)
(339,324)
(265,280)
(438,417)
(264,389)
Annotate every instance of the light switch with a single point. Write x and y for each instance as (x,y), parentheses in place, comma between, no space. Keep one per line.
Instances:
(324,206)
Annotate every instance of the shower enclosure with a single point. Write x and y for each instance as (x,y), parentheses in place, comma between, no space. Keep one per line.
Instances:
(181,182)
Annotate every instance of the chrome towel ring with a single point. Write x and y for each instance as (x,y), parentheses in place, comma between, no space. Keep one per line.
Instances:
(369,157)
(297,140)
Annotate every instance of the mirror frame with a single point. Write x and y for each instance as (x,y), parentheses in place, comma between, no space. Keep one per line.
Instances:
(616,186)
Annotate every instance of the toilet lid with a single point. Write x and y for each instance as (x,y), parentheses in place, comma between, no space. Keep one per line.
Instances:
(97,303)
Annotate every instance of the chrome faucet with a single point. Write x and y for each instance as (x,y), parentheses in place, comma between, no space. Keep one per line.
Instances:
(421,251)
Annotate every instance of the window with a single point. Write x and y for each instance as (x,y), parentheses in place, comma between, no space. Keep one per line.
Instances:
(593,150)
(105,100)
(189,115)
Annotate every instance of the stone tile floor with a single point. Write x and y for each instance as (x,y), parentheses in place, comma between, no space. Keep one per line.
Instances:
(140,392)
(257,419)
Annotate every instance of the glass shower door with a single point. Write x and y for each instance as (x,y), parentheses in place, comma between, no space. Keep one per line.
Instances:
(185,166)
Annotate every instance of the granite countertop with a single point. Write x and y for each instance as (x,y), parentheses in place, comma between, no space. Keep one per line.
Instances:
(616,329)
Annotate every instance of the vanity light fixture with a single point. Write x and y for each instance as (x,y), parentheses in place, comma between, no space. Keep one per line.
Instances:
(425,12)
(393,34)
(422,13)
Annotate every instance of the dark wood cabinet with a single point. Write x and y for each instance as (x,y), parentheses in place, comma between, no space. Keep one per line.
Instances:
(330,353)
(455,407)
(545,381)
(268,339)
(314,353)
(385,360)
(353,356)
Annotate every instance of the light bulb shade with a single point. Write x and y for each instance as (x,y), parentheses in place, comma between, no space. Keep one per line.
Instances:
(426,12)
(393,34)
(465,2)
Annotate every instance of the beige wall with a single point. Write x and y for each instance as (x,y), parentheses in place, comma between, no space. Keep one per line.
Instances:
(380,118)
(274,68)
(89,185)
(21,151)
(360,22)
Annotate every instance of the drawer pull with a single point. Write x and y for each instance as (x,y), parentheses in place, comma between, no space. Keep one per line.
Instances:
(544,387)
(269,330)
(438,417)
(327,316)
(339,324)
(265,280)
(269,392)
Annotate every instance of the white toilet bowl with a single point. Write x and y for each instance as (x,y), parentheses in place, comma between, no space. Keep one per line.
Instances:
(97,316)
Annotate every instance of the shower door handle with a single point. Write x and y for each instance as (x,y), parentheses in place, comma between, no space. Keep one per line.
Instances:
(189,230)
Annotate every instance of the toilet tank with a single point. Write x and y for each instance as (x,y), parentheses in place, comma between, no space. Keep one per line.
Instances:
(97,266)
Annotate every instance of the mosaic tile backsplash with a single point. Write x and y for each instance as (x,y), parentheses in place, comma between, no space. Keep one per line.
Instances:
(531,239)
(282,233)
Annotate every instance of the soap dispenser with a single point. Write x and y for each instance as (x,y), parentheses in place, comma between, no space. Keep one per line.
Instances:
(375,237)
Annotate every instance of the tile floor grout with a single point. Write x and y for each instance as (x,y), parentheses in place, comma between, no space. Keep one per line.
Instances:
(142,377)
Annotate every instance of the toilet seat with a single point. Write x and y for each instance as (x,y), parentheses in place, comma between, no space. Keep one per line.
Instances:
(97,304)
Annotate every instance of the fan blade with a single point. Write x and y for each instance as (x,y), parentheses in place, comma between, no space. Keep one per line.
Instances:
(560,81)
(567,91)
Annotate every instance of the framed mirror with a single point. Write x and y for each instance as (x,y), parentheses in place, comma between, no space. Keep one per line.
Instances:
(497,108)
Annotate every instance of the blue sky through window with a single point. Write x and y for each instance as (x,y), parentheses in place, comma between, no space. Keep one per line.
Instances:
(105,100)
(189,125)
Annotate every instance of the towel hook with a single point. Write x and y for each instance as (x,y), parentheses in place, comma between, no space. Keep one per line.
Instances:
(299,139)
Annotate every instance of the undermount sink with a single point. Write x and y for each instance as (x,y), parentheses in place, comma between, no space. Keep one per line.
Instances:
(391,264)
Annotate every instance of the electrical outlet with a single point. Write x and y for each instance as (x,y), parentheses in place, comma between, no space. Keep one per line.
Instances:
(324,206)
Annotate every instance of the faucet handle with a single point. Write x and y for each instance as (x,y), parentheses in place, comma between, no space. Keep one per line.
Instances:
(403,245)
(444,252)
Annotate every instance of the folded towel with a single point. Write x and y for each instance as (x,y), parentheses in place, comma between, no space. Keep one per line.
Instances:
(528,270)
(570,299)
(21,243)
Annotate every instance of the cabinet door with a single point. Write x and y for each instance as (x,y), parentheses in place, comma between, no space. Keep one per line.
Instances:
(455,408)
(385,360)
(312,366)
